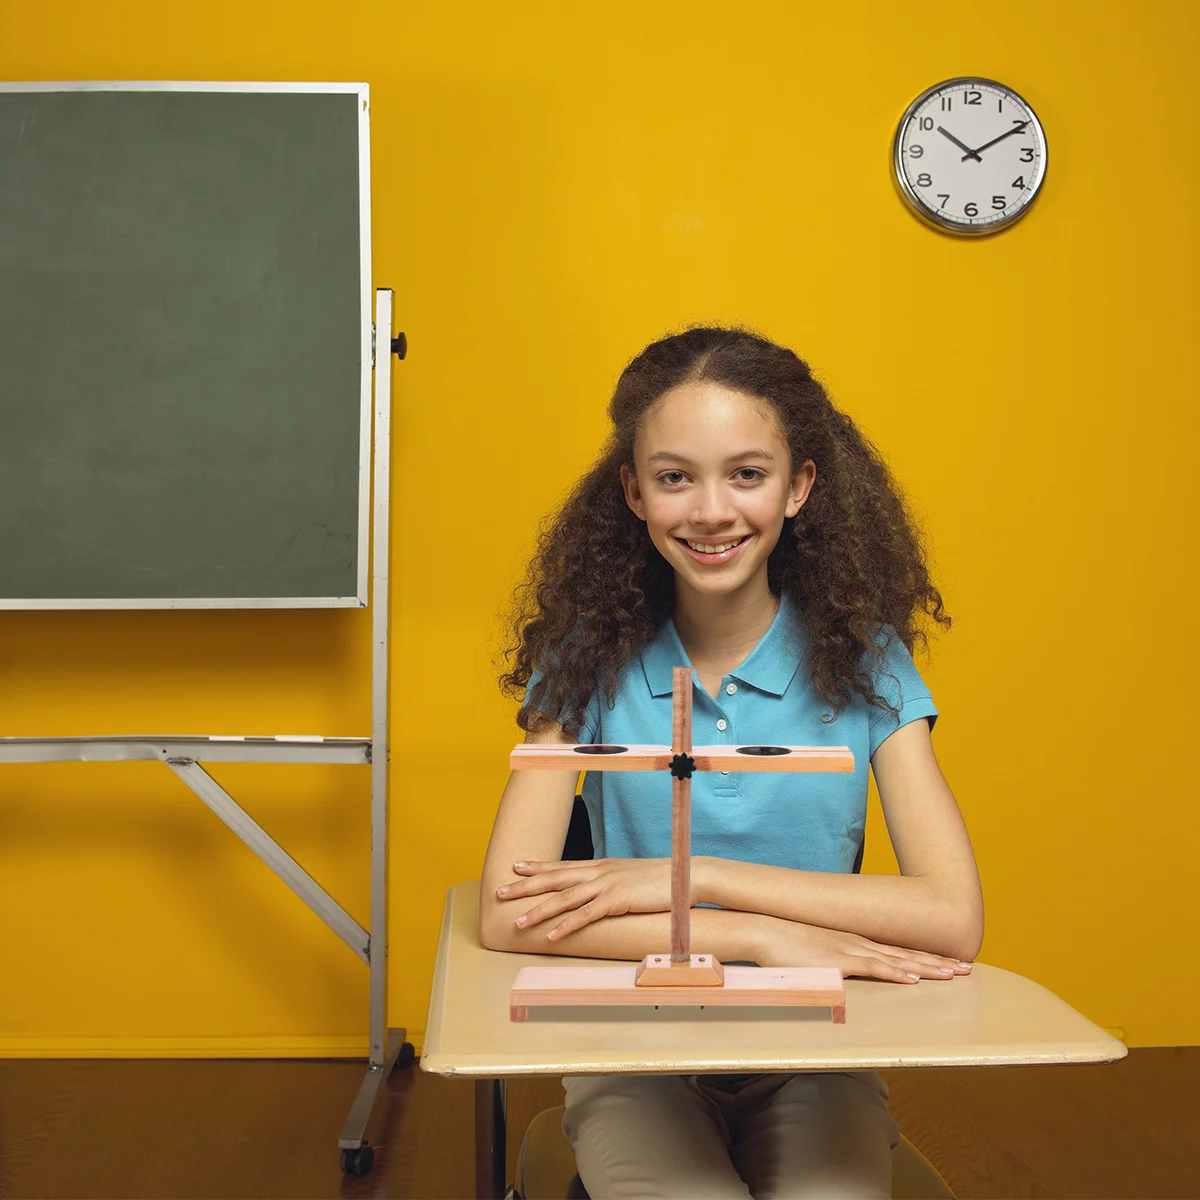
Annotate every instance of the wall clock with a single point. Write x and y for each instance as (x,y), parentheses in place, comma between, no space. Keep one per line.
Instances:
(969,155)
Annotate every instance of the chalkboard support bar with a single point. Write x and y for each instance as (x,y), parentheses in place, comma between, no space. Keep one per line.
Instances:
(387,1045)
(380,554)
(278,859)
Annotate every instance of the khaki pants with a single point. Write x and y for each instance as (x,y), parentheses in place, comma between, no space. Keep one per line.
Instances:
(686,1137)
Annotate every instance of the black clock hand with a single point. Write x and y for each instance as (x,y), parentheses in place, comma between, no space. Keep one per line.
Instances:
(961,145)
(976,153)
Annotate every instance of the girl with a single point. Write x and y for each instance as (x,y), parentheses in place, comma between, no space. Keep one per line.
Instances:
(738,523)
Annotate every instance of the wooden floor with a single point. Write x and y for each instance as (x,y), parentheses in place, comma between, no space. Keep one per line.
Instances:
(269,1129)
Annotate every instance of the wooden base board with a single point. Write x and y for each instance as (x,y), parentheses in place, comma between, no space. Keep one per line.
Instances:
(818,987)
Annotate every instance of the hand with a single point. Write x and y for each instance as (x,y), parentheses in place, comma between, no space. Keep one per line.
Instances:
(794,944)
(1017,128)
(961,145)
(588,891)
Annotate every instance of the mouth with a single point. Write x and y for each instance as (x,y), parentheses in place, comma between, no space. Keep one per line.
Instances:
(714,553)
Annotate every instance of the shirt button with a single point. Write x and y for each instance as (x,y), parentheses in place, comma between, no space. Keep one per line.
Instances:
(722,725)
(730,688)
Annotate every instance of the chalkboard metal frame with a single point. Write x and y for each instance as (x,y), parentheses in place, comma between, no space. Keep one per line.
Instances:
(366,349)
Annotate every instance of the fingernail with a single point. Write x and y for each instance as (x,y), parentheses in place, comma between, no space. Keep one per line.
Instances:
(517,866)
(911,976)
(502,891)
(552,934)
(944,970)
(965,965)
(520,921)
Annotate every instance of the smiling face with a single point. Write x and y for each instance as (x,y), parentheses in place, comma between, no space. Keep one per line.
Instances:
(714,483)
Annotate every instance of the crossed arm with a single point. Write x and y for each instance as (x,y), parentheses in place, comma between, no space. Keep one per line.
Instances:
(928,917)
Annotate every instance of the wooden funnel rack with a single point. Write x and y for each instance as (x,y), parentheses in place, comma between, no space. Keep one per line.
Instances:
(679,977)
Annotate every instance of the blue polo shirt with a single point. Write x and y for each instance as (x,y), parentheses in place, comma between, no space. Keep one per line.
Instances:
(812,822)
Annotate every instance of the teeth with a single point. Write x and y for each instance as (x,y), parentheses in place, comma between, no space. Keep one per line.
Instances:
(717,549)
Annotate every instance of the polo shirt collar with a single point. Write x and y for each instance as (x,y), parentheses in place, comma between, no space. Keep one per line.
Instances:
(769,667)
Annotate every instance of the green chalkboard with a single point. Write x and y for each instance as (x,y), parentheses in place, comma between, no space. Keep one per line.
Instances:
(184,319)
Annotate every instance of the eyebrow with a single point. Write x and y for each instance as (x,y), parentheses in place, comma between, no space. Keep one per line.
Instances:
(671,456)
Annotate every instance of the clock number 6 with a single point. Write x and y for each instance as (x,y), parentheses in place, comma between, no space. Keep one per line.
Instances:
(971,209)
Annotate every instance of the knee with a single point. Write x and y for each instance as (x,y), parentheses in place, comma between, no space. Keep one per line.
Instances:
(844,1101)
(630,1099)
(603,1091)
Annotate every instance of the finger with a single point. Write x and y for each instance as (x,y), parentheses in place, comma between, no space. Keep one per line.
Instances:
(577,920)
(556,905)
(922,966)
(950,966)
(926,958)
(548,881)
(914,952)
(536,868)
(871,967)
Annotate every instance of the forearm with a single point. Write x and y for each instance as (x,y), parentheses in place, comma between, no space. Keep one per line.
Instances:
(728,935)
(919,912)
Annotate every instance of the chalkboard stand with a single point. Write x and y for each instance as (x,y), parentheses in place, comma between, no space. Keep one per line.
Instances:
(184,756)
(388,1046)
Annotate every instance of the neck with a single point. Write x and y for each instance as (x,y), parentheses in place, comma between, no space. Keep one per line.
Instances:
(723,629)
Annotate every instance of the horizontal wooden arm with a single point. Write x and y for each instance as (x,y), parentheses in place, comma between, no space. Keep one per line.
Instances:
(540,756)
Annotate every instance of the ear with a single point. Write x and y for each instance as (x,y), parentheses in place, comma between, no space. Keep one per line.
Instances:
(633,493)
(801,487)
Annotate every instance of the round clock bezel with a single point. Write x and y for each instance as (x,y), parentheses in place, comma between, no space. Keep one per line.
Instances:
(913,198)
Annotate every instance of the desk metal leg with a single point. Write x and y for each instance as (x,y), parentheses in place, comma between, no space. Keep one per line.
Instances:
(491,1129)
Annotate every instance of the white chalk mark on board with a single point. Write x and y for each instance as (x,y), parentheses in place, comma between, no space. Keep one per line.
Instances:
(42,505)
(66,537)
(114,554)
(27,121)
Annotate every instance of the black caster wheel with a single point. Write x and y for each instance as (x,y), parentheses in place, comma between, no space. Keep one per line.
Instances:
(407,1055)
(358,1162)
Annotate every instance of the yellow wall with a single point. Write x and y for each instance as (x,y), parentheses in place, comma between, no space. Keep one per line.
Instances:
(555,185)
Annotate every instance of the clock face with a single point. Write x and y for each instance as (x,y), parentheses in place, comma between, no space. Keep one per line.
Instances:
(969,155)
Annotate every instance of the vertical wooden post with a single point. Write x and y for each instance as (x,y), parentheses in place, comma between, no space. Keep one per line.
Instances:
(681,821)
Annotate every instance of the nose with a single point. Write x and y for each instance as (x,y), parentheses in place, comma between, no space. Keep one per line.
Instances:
(714,506)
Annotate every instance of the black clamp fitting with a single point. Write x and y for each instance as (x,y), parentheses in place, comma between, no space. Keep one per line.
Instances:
(682,766)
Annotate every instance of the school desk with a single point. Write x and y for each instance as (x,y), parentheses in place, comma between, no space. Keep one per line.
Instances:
(991,1017)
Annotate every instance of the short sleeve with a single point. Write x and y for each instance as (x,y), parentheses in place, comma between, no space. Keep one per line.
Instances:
(899,682)
(590,717)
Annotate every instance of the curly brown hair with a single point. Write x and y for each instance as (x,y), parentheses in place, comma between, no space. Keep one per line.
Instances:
(852,562)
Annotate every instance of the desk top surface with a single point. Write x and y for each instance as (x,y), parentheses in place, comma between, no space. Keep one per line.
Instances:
(991,1017)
